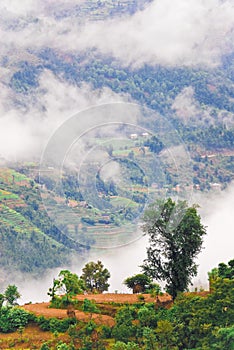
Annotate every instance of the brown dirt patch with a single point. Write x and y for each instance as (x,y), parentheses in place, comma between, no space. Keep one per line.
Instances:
(122,298)
(42,309)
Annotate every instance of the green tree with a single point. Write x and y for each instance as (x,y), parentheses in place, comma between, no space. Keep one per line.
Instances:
(220,302)
(11,294)
(68,283)
(71,283)
(155,291)
(196,320)
(138,283)
(154,144)
(95,277)
(226,270)
(222,271)
(175,235)
(2,298)
(213,275)
(52,291)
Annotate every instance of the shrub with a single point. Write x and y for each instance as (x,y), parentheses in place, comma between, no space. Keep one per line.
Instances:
(61,326)
(119,345)
(106,331)
(147,317)
(54,324)
(13,318)
(90,306)
(44,323)
(90,327)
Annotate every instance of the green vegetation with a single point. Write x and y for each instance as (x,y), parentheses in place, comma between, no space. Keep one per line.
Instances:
(209,132)
(175,236)
(11,295)
(93,280)
(90,307)
(25,228)
(95,277)
(116,206)
(194,321)
(13,318)
(68,284)
(139,283)
(222,271)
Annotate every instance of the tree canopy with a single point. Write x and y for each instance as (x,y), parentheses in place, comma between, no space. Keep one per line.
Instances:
(175,236)
(226,270)
(68,283)
(11,294)
(222,271)
(138,283)
(95,277)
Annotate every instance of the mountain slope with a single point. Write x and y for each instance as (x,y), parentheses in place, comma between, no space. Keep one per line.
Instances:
(29,241)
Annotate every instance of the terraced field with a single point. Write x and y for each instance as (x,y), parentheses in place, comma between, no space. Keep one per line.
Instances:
(20,224)
(28,239)
(11,177)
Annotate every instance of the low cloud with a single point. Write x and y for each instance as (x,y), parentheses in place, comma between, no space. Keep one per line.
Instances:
(190,111)
(194,32)
(14,7)
(25,128)
(185,105)
(217,215)
(181,32)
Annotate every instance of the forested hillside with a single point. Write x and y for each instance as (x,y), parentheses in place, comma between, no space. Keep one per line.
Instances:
(198,102)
